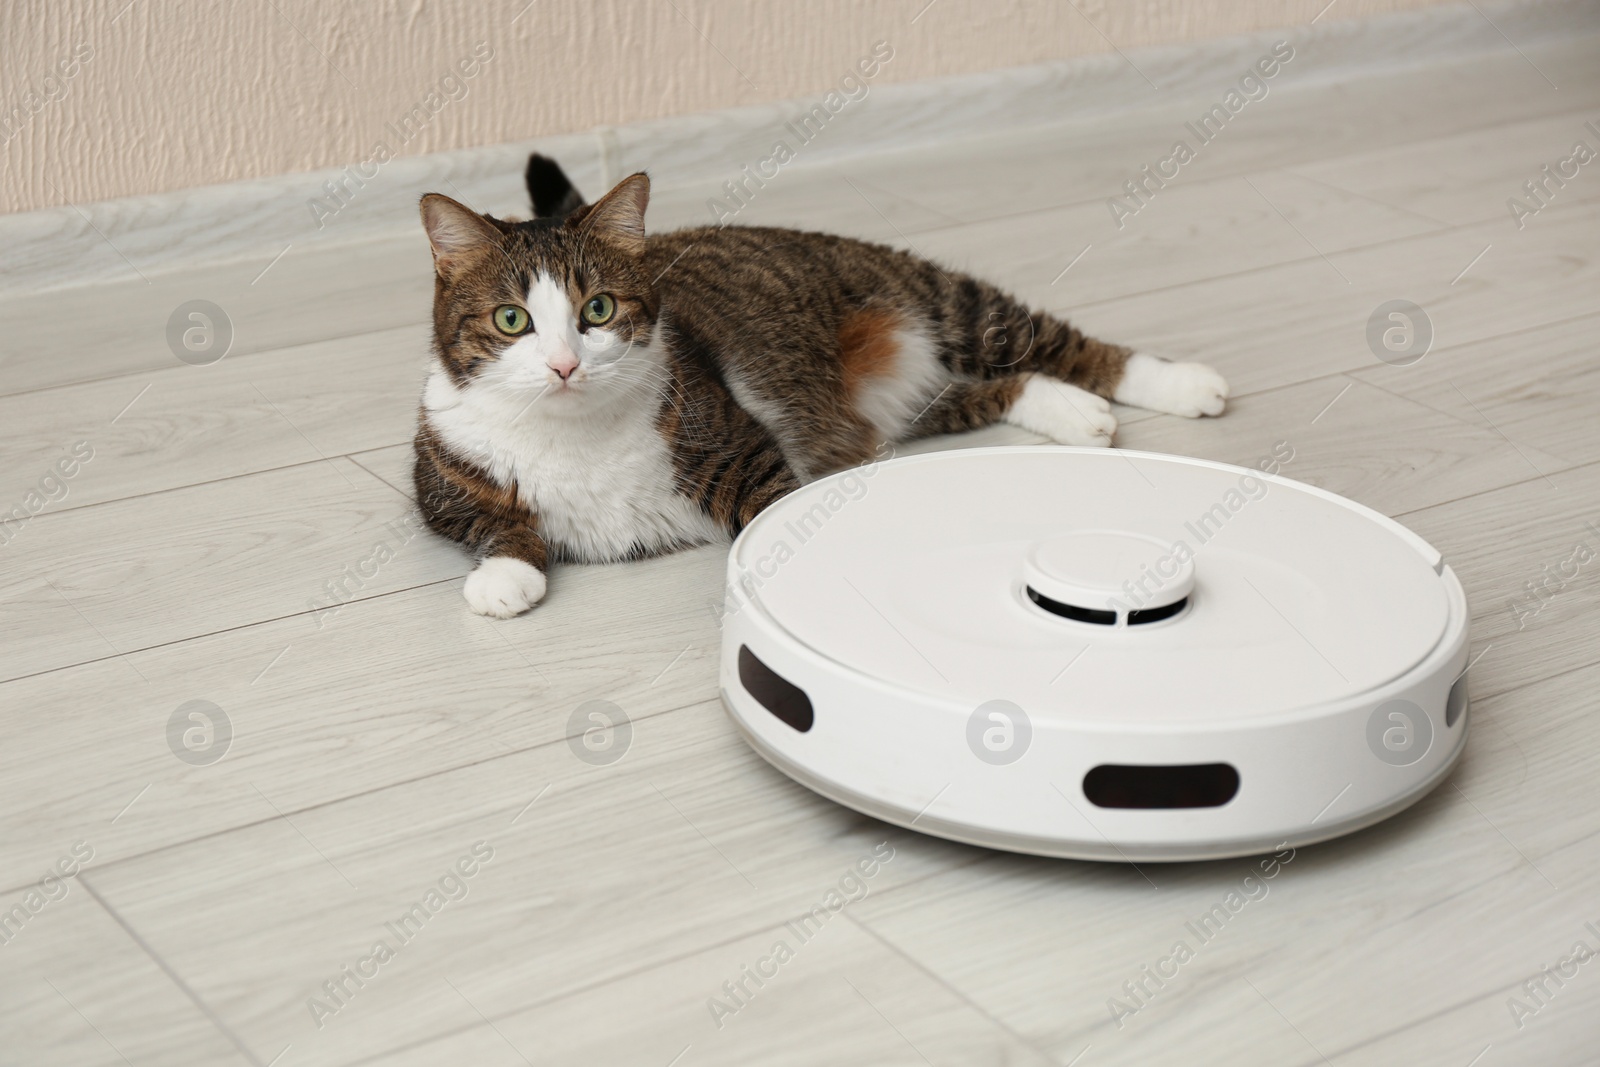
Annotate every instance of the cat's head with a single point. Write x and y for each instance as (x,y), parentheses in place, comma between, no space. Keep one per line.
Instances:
(559,308)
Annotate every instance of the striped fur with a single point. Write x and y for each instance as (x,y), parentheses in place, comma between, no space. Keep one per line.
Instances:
(738,364)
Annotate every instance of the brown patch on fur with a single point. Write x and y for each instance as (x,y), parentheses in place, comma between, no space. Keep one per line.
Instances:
(868,344)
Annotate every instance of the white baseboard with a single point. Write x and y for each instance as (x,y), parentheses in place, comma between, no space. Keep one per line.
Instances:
(109,241)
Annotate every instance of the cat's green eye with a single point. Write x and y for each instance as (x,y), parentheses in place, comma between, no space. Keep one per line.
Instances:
(510,319)
(599,309)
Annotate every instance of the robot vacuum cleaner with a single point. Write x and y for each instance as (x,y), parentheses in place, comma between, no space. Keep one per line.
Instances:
(1095,653)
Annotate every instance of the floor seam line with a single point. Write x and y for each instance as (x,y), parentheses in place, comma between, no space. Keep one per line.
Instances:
(79,508)
(1497,489)
(944,983)
(1061,308)
(351,456)
(171,973)
(233,629)
(164,368)
(645,969)
(333,801)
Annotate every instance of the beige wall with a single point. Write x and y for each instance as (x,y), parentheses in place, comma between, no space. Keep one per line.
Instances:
(165,94)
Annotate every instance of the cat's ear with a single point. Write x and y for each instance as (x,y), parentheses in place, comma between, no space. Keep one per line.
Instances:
(618,216)
(454,231)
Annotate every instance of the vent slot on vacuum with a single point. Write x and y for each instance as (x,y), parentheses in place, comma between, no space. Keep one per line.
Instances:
(1194,785)
(774,692)
(1166,611)
(1105,617)
(1072,611)
(1456,703)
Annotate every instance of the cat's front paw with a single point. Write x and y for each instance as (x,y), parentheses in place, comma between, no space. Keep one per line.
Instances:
(1062,412)
(504,586)
(1187,389)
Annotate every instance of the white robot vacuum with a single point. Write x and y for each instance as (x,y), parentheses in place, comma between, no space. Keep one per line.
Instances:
(1095,653)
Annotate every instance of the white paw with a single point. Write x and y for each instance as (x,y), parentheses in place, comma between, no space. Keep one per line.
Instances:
(1063,412)
(1187,389)
(503,586)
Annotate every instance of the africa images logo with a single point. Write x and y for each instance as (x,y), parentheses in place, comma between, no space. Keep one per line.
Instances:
(1139,191)
(454,885)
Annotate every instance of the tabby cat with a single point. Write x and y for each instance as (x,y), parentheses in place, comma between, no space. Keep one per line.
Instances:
(599,394)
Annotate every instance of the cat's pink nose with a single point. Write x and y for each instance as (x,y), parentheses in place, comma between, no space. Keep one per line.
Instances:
(563,363)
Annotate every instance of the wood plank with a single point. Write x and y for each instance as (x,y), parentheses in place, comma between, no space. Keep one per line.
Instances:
(326,705)
(40,630)
(1304,120)
(688,842)
(246,550)
(1538,388)
(1468,177)
(392,464)
(1528,760)
(1351,939)
(185,425)
(1353,439)
(1518,552)
(80,992)
(1283,324)
(880,1010)
(803,196)
(1200,230)
(1560,1030)
(311,294)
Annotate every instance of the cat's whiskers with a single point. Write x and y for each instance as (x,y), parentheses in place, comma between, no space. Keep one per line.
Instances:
(663,380)
(536,398)
(653,378)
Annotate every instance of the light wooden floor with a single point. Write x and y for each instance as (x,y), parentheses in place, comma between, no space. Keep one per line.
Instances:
(372,747)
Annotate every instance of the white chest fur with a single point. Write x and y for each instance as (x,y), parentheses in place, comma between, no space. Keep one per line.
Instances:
(602,485)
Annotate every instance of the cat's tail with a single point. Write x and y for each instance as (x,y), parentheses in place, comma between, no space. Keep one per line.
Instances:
(553,193)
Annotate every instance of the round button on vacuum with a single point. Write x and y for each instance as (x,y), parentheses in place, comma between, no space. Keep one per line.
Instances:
(1107,577)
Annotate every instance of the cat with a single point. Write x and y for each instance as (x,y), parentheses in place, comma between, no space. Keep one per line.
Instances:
(598,394)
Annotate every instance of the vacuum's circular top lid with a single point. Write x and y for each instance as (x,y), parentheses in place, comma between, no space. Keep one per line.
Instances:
(1101,584)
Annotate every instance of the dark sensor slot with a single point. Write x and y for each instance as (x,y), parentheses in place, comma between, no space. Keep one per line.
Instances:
(1101,617)
(1194,785)
(1166,611)
(1456,703)
(774,692)
(1069,611)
